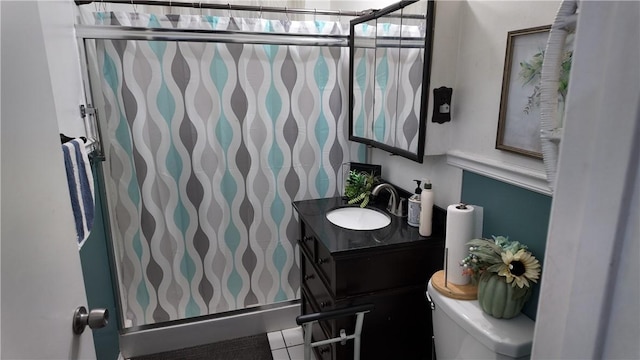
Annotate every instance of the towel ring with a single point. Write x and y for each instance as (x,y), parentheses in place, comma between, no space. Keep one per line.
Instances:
(550,120)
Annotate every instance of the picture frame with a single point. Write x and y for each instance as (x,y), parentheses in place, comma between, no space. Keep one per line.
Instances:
(519,117)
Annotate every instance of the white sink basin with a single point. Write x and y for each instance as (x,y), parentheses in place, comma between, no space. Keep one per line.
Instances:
(356,218)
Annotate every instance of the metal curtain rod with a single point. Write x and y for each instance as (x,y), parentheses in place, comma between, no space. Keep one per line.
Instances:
(201,5)
(198,35)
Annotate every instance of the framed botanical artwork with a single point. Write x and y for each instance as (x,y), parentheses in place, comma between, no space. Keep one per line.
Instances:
(519,120)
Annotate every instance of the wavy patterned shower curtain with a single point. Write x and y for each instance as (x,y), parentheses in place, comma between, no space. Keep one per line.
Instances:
(207,145)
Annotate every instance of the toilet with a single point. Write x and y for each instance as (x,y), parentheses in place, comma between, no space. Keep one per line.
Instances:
(463,331)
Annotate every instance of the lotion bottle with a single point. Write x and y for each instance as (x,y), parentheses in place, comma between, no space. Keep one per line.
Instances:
(426,211)
(413,218)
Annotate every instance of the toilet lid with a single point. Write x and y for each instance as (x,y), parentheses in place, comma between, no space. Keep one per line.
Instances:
(510,337)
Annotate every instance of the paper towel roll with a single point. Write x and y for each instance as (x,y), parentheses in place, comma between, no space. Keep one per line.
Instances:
(461,224)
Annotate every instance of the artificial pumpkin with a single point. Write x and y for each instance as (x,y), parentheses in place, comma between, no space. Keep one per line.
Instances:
(499,299)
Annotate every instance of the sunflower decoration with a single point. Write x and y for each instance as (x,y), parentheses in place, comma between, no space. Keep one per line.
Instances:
(509,259)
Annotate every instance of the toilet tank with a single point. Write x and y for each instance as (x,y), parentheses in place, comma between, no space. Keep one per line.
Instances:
(463,331)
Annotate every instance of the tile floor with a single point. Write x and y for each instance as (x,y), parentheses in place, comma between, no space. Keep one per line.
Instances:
(287,344)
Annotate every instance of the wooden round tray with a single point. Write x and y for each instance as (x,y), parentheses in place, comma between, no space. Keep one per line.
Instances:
(459,292)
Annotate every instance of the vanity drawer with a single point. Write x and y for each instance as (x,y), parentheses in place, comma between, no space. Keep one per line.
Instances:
(325,264)
(317,291)
(323,330)
(309,307)
(324,352)
(307,241)
(319,329)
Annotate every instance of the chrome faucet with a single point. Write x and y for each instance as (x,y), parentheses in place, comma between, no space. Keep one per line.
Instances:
(394,206)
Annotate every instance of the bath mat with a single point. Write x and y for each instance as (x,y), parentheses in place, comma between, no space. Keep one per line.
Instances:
(247,348)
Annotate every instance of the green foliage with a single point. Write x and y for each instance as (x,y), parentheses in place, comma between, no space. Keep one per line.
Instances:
(565,70)
(359,187)
(531,71)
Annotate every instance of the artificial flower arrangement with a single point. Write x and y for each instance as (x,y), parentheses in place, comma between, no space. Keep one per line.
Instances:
(509,260)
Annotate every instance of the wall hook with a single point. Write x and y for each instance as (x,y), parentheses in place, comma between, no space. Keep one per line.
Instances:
(287,21)
(135,7)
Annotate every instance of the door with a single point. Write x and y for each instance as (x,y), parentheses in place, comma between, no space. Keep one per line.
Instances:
(591,259)
(41,278)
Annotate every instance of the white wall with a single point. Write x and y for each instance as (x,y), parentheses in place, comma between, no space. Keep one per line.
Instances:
(472,36)
(349,5)
(480,67)
(64,65)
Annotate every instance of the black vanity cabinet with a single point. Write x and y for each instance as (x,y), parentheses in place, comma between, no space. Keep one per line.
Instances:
(388,268)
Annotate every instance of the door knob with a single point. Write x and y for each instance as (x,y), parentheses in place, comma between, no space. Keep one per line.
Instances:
(95,319)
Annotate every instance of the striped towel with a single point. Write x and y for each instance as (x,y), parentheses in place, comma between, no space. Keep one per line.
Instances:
(80,180)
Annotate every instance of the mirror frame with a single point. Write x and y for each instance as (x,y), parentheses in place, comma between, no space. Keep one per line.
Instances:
(426,74)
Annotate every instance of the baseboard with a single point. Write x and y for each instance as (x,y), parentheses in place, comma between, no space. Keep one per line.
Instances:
(167,338)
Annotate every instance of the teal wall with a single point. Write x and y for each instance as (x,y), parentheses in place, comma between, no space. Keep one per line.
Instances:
(512,211)
(96,270)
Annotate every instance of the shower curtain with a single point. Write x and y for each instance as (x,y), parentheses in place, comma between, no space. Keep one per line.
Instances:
(207,144)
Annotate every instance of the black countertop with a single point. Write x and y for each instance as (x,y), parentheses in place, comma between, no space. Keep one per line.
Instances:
(340,240)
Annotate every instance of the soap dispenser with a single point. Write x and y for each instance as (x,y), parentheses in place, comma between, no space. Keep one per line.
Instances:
(413,218)
(426,211)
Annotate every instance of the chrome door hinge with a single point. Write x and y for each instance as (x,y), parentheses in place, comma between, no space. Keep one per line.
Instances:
(84,110)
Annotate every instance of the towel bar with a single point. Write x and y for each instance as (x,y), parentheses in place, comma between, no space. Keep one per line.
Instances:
(308,320)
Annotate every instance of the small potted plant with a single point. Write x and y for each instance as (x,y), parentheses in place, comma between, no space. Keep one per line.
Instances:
(359,187)
(504,271)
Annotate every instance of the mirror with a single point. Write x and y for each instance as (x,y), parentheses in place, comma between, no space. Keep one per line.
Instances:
(389,72)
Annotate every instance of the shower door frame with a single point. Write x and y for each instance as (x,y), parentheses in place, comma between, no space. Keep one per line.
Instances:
(176,334)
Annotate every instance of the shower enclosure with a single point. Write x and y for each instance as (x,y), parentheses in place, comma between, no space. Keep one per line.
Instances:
(210,126)
(207,142)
